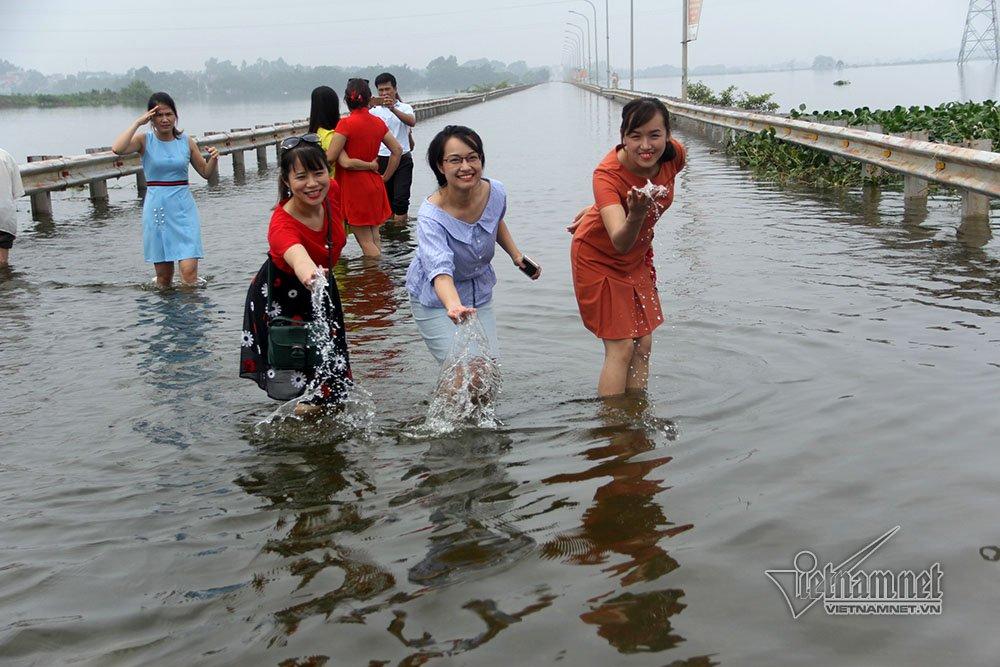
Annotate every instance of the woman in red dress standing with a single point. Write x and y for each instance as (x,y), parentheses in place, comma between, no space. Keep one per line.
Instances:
(612,254)
(363,192)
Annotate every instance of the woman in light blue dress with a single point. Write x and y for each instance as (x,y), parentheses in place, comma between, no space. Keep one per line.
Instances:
(171,229)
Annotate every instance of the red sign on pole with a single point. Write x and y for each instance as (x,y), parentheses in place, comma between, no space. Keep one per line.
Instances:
(693,19)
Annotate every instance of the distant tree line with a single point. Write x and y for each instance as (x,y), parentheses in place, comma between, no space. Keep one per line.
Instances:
(221,79)
(134,94)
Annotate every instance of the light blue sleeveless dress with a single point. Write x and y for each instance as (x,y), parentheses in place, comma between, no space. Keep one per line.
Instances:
(171,229)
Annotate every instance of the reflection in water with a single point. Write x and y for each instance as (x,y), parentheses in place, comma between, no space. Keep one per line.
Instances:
(369,300)
(175,358)
(471,495)
(312,479)
(626,519)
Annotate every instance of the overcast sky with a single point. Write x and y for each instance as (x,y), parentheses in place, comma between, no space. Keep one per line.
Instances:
(71,35)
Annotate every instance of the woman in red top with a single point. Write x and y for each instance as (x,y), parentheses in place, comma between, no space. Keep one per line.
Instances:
(305,238)
(366,205)
(612,254)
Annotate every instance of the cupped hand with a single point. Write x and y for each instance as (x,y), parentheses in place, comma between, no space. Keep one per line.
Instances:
(577,219)
(639,205)
(460,313)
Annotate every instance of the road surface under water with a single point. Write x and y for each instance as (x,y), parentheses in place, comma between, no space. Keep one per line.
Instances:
(828,370)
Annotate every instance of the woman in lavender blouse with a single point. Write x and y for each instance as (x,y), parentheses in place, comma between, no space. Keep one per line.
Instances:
(450,277)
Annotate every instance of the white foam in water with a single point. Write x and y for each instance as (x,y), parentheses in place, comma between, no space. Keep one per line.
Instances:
(469,383)
(358,409)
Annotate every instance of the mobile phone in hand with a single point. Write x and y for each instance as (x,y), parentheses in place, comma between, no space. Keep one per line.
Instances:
(529,268)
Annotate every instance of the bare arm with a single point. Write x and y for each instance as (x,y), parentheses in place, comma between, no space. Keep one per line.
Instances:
(624,230)
(303,266)
(407,118)
(395,154)
(204,167)
(128,141)
(444,287)
(506,241)
(342,159)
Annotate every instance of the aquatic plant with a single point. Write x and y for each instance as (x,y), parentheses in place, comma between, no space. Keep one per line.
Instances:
(699,93)
(952,122)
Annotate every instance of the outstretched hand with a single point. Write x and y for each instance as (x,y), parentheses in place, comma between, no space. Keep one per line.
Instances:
(639,204)
(460,313)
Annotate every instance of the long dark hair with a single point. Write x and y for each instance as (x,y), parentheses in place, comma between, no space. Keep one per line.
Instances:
(309,155)
(357,94)
(638,112)
(324,111)
(163,98)
(435,151)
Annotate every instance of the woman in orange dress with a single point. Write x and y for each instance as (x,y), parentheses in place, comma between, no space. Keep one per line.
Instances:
(612,254)
(360,135)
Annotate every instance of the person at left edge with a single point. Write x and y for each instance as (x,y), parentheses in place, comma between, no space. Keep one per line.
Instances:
(171,229)
(11,188)
(308,213)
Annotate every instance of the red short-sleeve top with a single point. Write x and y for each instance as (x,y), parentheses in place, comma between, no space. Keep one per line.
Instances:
(612,182)
(364,133)
(285,231)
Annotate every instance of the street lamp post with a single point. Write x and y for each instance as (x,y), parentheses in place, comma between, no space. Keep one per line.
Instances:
(574,41)
(590,52)
(579,36)
(631,44)
(607,43)
(590,61)
(597,58)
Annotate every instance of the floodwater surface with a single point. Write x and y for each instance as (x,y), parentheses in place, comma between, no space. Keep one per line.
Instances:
(828,370)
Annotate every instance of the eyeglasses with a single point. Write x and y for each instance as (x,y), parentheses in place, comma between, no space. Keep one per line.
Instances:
(456,161)
(291,142)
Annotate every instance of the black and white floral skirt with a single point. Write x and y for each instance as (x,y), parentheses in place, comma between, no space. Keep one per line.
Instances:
(290,298)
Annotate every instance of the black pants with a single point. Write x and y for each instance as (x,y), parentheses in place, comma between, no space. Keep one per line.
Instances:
(398,187)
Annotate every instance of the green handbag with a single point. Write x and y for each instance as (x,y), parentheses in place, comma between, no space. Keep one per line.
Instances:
(289,347)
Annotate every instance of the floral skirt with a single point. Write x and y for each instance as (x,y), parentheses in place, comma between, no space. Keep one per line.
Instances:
(290,298)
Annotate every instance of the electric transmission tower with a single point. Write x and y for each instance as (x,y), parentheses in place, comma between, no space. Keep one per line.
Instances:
(982,31)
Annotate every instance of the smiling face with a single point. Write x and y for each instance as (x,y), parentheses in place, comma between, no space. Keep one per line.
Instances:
(461,165)
(644,145)
(308,186)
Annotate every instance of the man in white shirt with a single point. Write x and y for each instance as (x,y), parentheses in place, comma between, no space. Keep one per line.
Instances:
(400,118)
(10,189)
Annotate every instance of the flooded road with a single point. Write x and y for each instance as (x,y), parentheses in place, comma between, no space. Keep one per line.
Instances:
(828,370)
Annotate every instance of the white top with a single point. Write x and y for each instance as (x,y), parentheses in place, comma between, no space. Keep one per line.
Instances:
(10,189)
(399,129)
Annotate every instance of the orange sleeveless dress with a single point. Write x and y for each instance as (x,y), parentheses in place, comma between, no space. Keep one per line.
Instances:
(617,292)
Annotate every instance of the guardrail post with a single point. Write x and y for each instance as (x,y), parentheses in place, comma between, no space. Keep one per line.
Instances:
(239,158)
(914,188)
(974,205)
(213,178)
(140,184)
(261,153)
(99,187)
(41,202)
(870,173)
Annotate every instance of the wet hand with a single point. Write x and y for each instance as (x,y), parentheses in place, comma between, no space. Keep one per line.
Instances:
(460,313)
(639,204)
(577,219)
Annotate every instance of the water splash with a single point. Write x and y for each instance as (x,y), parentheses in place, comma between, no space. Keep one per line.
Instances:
(356,411)
(468,385)
(657,193)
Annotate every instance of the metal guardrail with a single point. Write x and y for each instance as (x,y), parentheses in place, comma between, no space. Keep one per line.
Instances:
(44,176)
(975,171)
